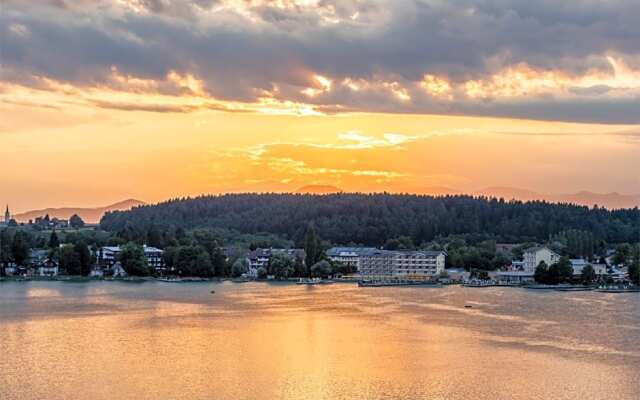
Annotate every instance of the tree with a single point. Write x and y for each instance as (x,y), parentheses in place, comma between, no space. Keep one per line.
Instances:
(321,269)
(70,260)
(262,273)
(541,273)
(239,267)
(54,242)
(281,266)
(311,248)
(564,270)
(634,267)
(5,250)
(588,274)
(192,261)
(623,252)
(133,260)
(76,222)
(84,257)
(20,247)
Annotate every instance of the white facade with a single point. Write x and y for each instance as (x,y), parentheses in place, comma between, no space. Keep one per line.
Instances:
(535,255)
(402,263)
(579,264)
(348,255)
(108,257)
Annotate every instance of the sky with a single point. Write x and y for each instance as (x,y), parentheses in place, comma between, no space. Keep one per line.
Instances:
(102,100)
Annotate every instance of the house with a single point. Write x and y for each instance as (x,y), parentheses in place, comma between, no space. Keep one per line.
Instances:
(458,274)
(578,265)
(514,277)
(259,258)
(402,263)
(533,256)
(348,255)
(48,267)
(108,257)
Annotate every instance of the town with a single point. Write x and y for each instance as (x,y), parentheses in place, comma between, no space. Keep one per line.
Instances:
(34,250)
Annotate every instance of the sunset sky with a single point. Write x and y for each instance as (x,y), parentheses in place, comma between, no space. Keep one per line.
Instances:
(102,100)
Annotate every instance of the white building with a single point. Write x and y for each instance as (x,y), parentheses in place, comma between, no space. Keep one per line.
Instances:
(108,256)
(535,255)
(48,267)
(259,258)
(348,255)
(402,263)
(578,265)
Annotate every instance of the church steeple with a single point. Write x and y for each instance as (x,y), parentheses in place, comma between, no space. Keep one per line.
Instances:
(7,215)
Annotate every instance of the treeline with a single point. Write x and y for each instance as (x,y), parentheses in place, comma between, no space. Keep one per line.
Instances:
(376,219)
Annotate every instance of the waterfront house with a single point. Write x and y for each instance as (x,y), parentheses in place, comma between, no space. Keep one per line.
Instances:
(48,267)
(533,256)
(259,258)
(514,277)
(108,257)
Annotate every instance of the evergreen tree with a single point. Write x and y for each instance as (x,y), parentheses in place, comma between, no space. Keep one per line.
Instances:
(54,242)
(20,248)
(76,222)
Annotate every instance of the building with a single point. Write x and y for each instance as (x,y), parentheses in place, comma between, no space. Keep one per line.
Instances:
(533,256)
(348,255)
(578,265)
(7,216)
(259,258)
(108,257)
(402,263)
(48,267)
(514,277)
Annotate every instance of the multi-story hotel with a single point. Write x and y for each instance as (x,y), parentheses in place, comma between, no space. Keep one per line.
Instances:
(402,263)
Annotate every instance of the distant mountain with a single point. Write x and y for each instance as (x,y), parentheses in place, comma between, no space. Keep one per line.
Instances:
(88,215)
(318,189)
(609,200)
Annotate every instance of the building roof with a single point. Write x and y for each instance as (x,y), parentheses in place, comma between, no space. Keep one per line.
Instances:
(393,253)
(536,249)
(348,251)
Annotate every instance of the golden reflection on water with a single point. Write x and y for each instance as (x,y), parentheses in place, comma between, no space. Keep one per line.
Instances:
(255,341)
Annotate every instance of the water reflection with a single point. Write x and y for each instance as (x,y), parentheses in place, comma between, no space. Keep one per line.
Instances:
(259,341)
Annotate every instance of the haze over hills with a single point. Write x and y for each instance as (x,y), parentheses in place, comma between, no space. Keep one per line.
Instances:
(88,215)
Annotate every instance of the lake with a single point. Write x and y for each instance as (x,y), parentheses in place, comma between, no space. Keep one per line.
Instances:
(158,340)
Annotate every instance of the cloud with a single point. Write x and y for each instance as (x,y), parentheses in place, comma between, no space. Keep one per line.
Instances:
(577,60)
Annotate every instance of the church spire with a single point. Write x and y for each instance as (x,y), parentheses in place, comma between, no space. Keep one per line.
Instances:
(7,215)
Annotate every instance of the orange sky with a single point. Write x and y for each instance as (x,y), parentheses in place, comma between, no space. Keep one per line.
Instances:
(84,123)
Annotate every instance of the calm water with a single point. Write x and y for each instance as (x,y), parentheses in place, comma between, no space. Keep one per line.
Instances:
(106,340)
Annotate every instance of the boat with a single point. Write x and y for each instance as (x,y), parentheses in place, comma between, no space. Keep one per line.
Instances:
(618,289)
(575,289)
(169,279)
(311,281)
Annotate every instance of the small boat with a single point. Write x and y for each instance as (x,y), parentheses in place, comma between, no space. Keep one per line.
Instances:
(171,280)
(312,281)
(619,290)
(468,306)
(213,291)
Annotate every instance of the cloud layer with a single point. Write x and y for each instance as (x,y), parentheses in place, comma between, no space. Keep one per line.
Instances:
(575,60)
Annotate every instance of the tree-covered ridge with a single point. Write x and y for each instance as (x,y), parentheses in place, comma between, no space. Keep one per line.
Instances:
(373,219)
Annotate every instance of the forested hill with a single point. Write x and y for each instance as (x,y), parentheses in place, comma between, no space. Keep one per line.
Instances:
(373,219)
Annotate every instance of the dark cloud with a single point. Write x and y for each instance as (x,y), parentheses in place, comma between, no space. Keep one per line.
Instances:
(239,55)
